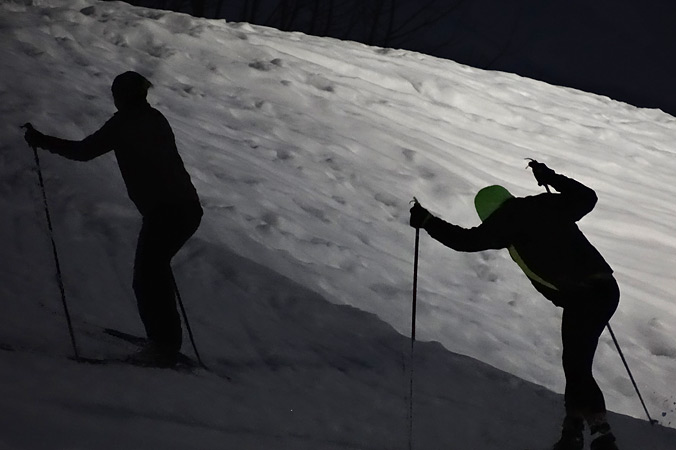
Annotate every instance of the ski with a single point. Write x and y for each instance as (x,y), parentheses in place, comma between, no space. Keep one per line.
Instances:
(183,359)
(180,366)
(185,362)
(131,338)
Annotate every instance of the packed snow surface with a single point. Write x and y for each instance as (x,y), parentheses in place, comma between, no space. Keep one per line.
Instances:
(306,153)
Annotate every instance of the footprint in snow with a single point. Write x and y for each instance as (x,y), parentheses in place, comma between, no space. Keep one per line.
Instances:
(409,154)
(266,66)
(321,83)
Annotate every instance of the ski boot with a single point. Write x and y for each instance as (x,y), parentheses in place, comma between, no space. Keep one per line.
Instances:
(571,434)
(602,438)
(154,355)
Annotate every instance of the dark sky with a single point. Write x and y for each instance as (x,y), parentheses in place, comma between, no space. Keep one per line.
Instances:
(624,49)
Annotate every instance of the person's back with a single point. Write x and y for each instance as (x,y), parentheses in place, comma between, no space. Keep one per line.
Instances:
(149,162)
(549,241)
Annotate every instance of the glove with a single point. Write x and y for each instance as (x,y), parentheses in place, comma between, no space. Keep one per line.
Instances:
(419,216)
(543,174)
(33,137)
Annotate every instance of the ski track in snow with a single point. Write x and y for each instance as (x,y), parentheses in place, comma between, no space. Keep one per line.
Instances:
(306,153)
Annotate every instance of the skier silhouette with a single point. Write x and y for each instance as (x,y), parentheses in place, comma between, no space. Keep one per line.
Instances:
(543,238)
(161,189)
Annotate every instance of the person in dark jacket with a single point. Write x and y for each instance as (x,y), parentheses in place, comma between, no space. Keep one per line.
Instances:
(160,187)
(542,236)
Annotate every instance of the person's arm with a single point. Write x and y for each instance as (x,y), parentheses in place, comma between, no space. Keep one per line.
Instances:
(574,200)
(102,141)
(491,234)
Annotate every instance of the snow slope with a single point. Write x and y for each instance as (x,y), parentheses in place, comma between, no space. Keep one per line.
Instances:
(306,152)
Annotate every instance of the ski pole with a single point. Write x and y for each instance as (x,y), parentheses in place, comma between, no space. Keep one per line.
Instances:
(631,377)
(59,277)
(187,323)
(413,318)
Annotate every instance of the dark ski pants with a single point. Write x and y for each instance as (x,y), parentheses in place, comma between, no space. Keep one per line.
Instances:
(584,317)
(162,236)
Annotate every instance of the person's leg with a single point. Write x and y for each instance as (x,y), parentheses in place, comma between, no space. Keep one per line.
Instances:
(154,290)
(580,339)
(159,240)
(572,437)
(583,322)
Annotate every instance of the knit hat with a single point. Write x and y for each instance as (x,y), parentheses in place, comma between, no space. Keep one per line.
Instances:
(130,88)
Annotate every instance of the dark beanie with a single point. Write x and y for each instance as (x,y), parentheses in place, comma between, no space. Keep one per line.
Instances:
(130,87)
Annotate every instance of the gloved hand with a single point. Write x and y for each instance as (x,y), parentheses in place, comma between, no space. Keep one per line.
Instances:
(419,216)
(543,174)
(33,137)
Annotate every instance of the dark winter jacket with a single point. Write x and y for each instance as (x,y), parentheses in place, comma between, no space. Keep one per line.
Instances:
(543,231)
(146,152)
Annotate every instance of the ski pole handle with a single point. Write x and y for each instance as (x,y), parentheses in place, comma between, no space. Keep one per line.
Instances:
(535,165)
(30,129)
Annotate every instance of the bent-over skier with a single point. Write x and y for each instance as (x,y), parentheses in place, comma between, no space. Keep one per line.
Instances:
(542,236)
(160,187)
